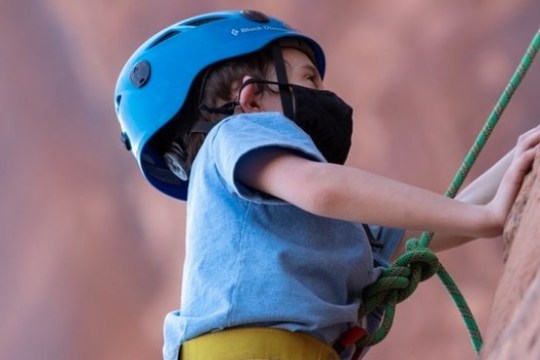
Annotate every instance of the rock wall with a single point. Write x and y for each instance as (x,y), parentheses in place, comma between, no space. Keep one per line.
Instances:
(514,326)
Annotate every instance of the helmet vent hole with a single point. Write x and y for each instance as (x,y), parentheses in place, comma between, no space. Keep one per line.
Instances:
(256,16)
(118,99)
(164,37)
(205,20)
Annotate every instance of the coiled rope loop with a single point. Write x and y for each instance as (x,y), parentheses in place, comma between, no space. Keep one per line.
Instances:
(396,284)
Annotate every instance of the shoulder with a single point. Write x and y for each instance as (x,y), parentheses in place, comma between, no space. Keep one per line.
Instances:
(260,121)
(255,130)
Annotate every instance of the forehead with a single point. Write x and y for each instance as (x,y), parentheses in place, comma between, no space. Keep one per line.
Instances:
(296,59)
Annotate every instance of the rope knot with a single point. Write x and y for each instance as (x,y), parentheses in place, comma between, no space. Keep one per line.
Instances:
(396,284)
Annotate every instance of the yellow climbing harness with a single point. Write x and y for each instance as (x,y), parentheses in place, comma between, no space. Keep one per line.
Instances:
(256,343)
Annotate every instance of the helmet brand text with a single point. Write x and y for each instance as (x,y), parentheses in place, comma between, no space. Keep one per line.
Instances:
(244,30)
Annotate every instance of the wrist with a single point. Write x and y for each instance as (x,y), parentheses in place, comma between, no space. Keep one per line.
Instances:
(491,221)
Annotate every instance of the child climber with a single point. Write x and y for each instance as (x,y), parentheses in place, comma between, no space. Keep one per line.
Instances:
(227,111)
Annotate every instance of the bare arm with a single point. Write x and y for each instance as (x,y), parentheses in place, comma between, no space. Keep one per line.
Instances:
(352,194)
(355,195)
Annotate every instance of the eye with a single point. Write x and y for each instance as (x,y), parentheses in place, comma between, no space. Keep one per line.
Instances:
(313,78)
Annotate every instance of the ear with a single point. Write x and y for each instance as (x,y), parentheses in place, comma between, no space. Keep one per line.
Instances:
(248,98)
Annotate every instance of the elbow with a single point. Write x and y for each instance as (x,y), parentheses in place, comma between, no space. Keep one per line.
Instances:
(321,198)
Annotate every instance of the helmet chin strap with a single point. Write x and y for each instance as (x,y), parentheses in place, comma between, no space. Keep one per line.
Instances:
(284,90)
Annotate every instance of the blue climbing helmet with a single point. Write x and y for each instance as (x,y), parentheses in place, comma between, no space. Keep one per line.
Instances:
(153,85)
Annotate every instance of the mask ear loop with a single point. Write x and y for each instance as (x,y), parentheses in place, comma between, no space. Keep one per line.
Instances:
(226,109)
(284,90)
(243,85)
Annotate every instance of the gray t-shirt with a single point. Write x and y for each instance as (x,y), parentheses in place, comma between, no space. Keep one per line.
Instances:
(254,260)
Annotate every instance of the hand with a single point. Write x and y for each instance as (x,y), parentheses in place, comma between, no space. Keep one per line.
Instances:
(523,156)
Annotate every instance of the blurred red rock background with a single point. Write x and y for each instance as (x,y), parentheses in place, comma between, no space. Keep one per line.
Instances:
(91,256)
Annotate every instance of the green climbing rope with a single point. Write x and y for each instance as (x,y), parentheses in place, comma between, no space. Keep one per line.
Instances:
(419,263)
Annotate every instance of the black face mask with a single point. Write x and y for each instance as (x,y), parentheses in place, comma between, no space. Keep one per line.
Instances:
(325,117)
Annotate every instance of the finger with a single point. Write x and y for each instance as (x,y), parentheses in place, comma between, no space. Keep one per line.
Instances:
(522,164)
(530,132)
(527,141)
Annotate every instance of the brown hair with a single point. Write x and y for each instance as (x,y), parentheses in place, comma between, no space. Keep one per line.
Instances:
(213,88)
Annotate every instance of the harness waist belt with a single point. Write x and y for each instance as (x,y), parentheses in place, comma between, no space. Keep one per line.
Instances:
(256,343)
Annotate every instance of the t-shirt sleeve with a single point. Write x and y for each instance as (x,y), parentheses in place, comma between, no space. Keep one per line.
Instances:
(238,136)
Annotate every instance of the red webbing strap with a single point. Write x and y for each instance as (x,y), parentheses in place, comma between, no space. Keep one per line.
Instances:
(349,338)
